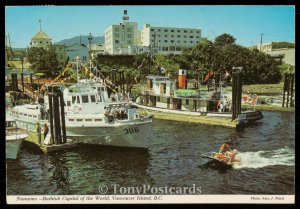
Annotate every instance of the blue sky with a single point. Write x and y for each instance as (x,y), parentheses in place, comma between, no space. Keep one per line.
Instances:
(245,23)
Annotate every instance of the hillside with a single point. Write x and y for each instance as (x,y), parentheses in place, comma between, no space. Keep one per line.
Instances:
(84,40)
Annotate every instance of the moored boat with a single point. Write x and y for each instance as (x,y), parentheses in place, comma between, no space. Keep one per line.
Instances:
(14,138)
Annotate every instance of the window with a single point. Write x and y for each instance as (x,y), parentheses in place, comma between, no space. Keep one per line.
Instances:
(68,103)
(129,29)
(129,35)
(78,100)
(117,35)
(178,31)
(172,41)
(165,48)
(85,99)
(158,30)
(172,35)
(158,99)
(97,120)
(117,30)
(184,36)
(178,41)
(178,36)
(191,31)
(166,41)
(191,36)
(41,42)
(116,41)
(73,99)
(71,120)
(152,29)
(191,42)
(78,120)
(166,35)
(88,120)
(166,30)
(93,98)
(185,31)
(186,101)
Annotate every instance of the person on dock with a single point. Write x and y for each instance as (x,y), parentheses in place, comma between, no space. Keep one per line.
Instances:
(38,131)
(224,148)
(46,130)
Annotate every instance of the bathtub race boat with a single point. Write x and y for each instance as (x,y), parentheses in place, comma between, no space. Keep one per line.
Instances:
(228,157)
(14,138)
(92,117)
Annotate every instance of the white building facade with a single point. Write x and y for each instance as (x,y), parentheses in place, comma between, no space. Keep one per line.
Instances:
(119,37)
(125,38)
(169,40)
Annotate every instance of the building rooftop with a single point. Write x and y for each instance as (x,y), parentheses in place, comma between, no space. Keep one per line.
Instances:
(41,35)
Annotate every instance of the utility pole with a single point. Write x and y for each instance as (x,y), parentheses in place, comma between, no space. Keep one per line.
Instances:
(261,37)
(90,44)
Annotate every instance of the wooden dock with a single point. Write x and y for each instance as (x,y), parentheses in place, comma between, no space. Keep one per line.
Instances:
(207,120)
(32,140)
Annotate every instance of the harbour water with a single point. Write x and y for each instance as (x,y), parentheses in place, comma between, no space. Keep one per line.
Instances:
(173,159)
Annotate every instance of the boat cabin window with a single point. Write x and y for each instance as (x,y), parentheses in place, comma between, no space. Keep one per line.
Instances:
(9,124)
(73,99)
(78,100)
(85,99)
(93,98)
(68,103)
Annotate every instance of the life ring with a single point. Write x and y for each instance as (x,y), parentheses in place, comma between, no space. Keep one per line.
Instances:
(76,109)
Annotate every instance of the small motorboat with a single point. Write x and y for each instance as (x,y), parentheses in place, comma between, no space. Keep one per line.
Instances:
(228,158)
(14,138)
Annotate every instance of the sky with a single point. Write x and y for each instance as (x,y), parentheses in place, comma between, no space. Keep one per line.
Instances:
(245,23)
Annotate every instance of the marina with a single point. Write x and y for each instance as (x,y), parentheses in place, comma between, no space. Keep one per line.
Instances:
(155,113)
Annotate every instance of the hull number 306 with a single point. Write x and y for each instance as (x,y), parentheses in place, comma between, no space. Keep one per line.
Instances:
(131,130)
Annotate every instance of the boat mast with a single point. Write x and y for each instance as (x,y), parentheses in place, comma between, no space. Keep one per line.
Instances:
(77,60)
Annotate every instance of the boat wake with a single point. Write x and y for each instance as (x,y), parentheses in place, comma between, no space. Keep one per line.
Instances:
(259,159)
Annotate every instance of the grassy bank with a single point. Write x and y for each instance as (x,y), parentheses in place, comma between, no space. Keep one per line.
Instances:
(262,89)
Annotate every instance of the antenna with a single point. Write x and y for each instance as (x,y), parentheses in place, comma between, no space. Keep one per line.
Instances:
(125,16)
(40,21)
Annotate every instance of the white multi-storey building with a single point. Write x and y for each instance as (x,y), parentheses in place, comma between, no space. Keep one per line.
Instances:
(119,37)
(169,40)
(126,39)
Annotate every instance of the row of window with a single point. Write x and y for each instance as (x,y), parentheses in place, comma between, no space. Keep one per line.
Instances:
(178,36)
(123,27)
(86,120)
(172,41)
(172,30)
(128,42)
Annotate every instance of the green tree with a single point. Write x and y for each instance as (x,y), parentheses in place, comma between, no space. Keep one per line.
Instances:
(44,61)
(224,39)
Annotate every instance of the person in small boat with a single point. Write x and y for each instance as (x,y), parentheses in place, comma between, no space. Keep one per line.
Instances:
(224,148)
(232,155)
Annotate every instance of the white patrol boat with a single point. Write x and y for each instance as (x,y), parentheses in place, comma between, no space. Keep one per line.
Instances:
(91,116)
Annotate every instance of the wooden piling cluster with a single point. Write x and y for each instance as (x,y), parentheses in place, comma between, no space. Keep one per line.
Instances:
(57,115)
(118,78)
(14,86)
(288,90)
(236,94)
